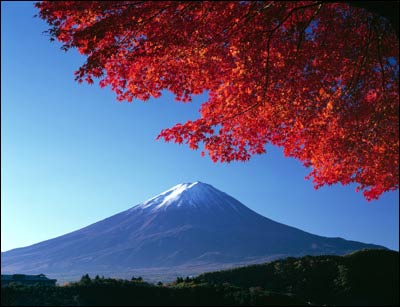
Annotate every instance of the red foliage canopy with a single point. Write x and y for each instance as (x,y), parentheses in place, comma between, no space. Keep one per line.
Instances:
(319,79)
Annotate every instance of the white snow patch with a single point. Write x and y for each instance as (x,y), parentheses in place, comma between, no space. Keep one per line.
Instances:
(173,195)
(194,194)
(167,197)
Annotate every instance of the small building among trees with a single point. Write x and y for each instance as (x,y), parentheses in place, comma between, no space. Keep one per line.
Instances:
(23,279)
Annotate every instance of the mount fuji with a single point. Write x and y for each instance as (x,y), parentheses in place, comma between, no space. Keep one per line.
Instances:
(188,229)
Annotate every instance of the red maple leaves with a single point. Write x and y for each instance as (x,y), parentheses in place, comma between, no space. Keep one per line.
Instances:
(319,79)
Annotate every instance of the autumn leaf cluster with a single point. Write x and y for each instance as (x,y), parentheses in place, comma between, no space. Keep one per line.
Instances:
(318,79)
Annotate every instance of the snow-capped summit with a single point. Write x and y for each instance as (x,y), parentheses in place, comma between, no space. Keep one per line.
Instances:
(188,229)
(169,196)
(196,194)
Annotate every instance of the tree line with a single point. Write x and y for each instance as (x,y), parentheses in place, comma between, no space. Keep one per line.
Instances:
(364,278)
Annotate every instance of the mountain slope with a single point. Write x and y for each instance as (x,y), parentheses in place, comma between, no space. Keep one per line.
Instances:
(191,224)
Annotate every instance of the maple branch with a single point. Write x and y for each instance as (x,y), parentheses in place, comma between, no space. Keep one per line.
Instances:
(280,23)
(241,112)
(271,32)
(126,5)
(246,17)
(354,80)
(380,61)
(306,26)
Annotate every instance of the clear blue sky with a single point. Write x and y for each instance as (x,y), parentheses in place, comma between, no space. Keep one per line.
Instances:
(72,155)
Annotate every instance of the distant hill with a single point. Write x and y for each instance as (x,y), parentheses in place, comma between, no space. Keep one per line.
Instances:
(189,229)
(363,278)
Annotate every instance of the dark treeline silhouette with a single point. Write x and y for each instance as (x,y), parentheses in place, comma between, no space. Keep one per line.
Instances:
(113,292)
(367,277)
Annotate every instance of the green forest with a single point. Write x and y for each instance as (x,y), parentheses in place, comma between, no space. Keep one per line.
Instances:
(364,278)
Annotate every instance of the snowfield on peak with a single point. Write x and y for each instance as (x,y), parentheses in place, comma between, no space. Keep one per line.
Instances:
(196,194)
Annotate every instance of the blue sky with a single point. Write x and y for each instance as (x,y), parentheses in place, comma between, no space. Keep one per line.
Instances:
(72,155)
